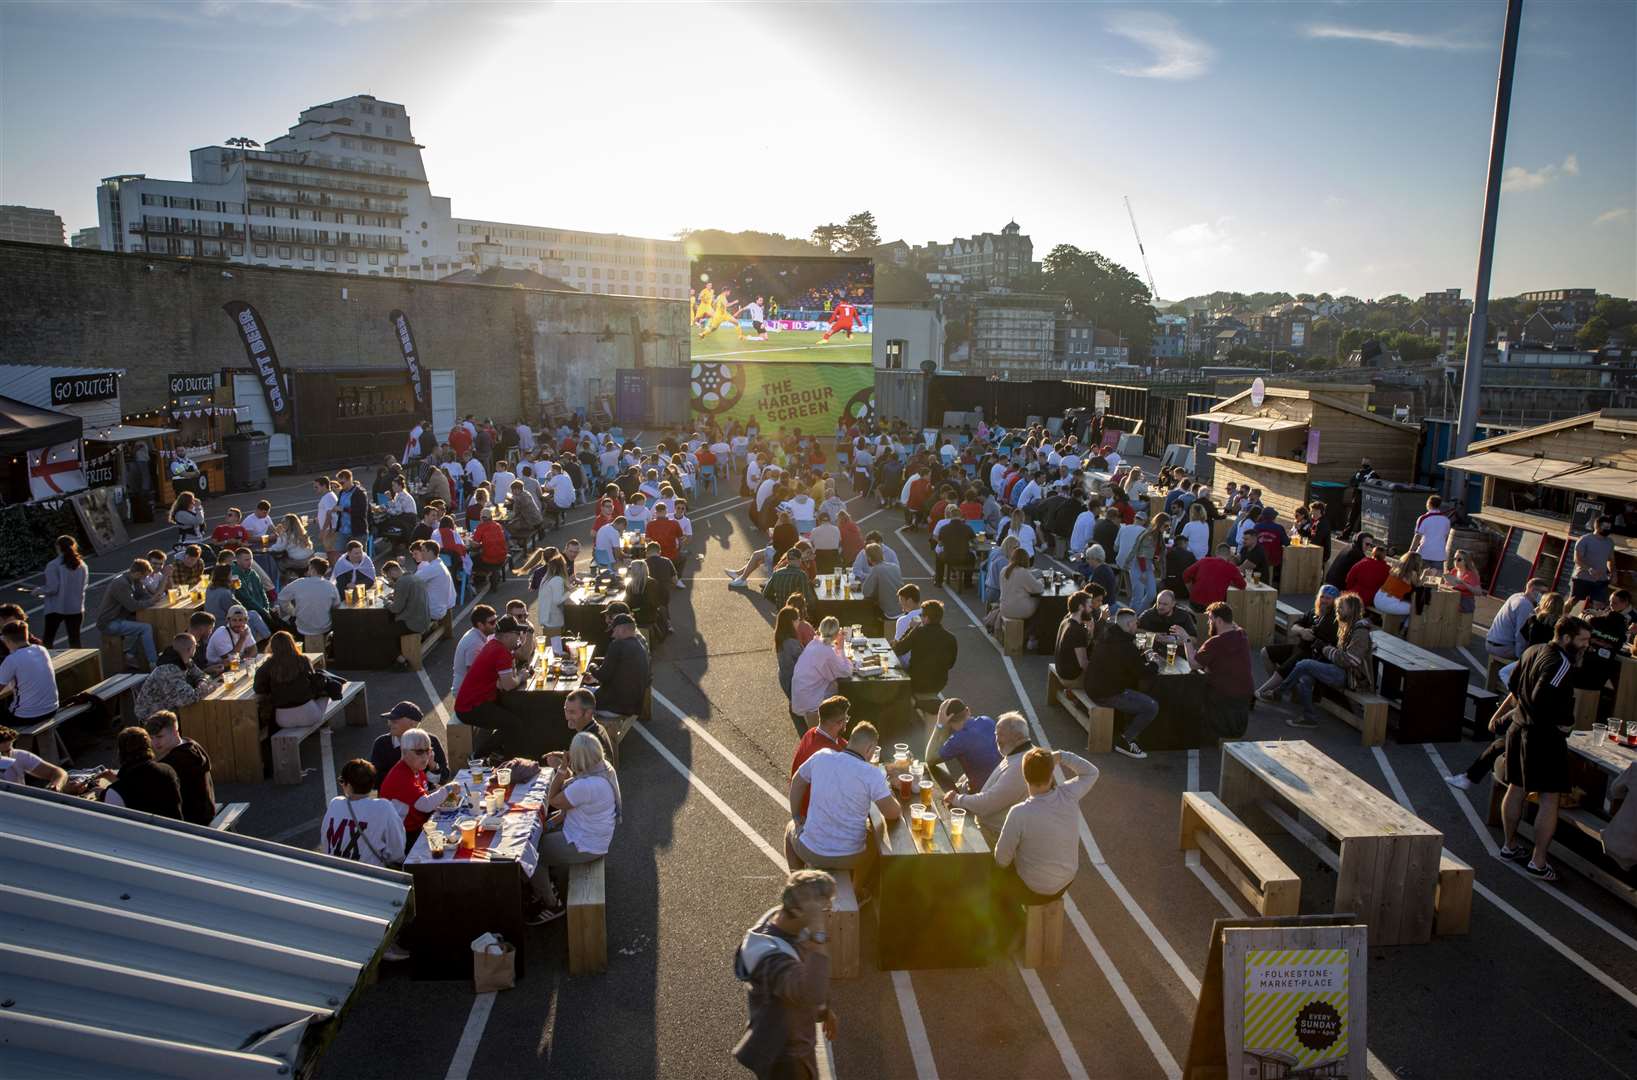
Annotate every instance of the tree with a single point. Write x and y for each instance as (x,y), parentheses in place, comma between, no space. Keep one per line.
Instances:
(1103,291)
(859,233)
(828,237)
(1178,309)
(1594,334)
(749,242)
(897,284)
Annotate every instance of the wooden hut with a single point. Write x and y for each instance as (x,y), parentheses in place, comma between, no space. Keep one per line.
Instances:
(1545,486)
(1301,436)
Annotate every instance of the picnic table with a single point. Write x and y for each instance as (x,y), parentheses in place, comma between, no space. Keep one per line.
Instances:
(1301,570)
(1054,604)
(363,635)
(226,722)
(1388,869)
(1180,690)
(169,617)
(467,893)
(586,607)
(839,595)
(1430,690)
(1436,622)
(540,700)
(882,686)
(1253,608)
(935,901)
(77,670)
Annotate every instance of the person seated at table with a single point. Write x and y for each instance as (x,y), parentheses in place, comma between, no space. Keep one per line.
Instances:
(158,580)
(861,561)
(26,677)
(408,605)
(188,760)
(362,827)
(788,644)
(968,741)
(1225,659)
(929,651)
(252,586)
(440,586)
(491,550)
(386,751)
(818,667)
(584,796)
(828,734)
(1540,629)
(792,576)
(188,570)
(353,568)
(478,701)
(307,602)
(1165,614)
(624,672)
(1462,576)
(830,798)
(1020,592)
(882,580)
(220,598)
(665,531)
(292,546)
(1113,681)
(1038,849)
(117,614)
(290,683)
(259,523)
(1005,786)
(909,607)
(1307,634)
(560,486)
(553,591)
(826,543)
(662,581)
(1347,558)
(1368,574)
(638,511)
(406,785)
(1393,596)
(580,714)
(142,783)
(781,538)
(1349,663)
(1253,557)
(231,530)
(427,527)
(20,766)
(952,545)
(175,681)
(1077,633)
(802,510)
(524,517)
(475,506)
(483,619)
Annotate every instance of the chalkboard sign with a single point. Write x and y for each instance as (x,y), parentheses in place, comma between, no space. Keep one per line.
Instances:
(1586,513)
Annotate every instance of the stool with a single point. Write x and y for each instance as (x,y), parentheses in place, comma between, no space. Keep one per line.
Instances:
(1014,635)
(1492,674)
(1043,935)
(112,647)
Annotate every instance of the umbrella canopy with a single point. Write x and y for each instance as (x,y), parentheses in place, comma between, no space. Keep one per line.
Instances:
(26,427)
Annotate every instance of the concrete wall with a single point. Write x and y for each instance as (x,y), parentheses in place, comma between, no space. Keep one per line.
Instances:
(921,327)
(509,348)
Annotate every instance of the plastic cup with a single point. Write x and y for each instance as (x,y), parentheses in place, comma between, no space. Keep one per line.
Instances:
(900,751)
(925,787)
(957,823)
(435,843)
(468,833)
(906,785)
(1599,731)
(917,769)
(503,777)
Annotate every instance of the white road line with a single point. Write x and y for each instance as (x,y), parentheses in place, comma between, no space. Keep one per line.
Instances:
(1392,778)
(714,799)
(326,763)
(920,1047)
(1554,891)
(1145,1027)
(460,1067)
(782,798)
(1054,1024)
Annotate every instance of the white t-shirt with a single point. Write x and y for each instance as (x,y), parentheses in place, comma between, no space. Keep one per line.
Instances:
(589,826)
(312,598)
(637,515)
(30,669)
(475,472)
(844,786)
(465,652)
(18,766)
(525,437)
(258,526)
(222,642)
(608,539)
(503,482)
(440,587)
(321,516)
(901,627)
(1434,528)
(562,491)
(377,826)
(1198,536)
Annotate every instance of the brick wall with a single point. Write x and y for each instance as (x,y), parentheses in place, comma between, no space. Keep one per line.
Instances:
(151,315)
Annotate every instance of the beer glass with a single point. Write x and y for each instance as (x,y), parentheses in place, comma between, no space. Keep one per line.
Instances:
(957,823)
(1171,654)
(468,833)
(233,661)
(925,787)
(906,785)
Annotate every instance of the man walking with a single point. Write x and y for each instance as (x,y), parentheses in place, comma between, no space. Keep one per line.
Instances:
(785,959)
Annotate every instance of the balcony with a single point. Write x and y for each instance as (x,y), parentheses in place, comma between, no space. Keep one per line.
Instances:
(327,183)
(184,227)
(376,205)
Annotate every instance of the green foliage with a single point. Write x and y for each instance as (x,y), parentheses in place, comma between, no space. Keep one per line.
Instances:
(857,234)
(27,533)
(749,242)
(897,284)
(1103,291)
(1594,334)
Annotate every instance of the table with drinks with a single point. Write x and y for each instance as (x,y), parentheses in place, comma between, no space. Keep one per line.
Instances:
(1301,568)
(466,860)
(879,684)
(839,595)
(935,900)
(364,635)
(1054,604)
(586,606)
(169,615)
(558,669)
(1180,690)
(226,722)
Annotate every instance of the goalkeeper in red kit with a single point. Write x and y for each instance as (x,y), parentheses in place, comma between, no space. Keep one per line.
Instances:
(844,316)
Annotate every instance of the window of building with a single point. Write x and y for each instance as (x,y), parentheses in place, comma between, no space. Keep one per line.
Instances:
(352,257)
(391,150)
(373,258)
(596,272)
(284,251)
(423,243)
(261,251)
(329,255)
(235,249)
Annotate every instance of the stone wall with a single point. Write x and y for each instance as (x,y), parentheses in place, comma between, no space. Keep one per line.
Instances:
(150,315)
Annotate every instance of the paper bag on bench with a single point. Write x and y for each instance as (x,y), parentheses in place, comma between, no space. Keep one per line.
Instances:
(494,964)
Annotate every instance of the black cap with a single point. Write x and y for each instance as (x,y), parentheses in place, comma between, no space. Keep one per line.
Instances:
(511,624)
(621,620)
(407,710)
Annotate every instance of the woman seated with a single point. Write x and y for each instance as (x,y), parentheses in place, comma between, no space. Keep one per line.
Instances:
(288,680)
(1393,597)
(292,545)
(143,783)
(585,801)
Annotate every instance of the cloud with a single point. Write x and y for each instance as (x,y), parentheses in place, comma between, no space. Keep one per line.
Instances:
(1176,55)
(1619,213)
(1203,242)
(1315,260)
(1397,38)
(1518,178)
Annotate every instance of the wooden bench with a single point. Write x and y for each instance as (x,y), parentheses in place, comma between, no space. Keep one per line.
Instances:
(587,919)
(315,645)
(1492,673)
(844,928)
(1363,709)
(1389,623)
(117,696)
(41,737)
(1285,616)
(1098,721)
(228,815)
(1484,704)
(112,648)
(1043,935)
(616,726)
(414,647)
(1014,636)
(1570,819)
(353,704)
(1216,832)
(1454,898)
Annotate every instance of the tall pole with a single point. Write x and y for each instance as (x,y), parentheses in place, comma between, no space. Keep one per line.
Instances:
(1478,330)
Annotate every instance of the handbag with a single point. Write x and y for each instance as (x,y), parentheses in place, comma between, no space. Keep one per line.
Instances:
(364,836)
(327,684)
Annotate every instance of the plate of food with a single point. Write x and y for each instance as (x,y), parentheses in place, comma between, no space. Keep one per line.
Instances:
(491,823)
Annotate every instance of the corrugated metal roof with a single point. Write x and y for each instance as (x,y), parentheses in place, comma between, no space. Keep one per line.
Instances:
(140,947)
(32,383)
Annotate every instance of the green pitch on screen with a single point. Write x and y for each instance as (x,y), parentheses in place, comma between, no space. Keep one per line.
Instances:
(784,347)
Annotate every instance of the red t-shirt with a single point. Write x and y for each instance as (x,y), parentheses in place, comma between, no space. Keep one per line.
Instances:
(405,785)
(811,743)
(491,543)
(971,511)
(666,533)
(919,489)
(1209,578)
(705,457)
(460,439)
(937,514)
(482,681)
(1366,578)
(1226,660)
(224,532)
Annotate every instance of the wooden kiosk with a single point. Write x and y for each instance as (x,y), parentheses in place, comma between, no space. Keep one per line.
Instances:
(1299,435)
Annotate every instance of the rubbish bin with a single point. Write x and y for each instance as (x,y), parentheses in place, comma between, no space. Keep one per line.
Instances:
(1390,511)
(141,504)
(246,460)
(1333,493)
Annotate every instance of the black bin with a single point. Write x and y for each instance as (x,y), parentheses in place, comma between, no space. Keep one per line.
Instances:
(246,460)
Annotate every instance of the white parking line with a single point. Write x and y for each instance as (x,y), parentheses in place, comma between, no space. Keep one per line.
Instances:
(460,1067)
(920,1047)
(1054,1024)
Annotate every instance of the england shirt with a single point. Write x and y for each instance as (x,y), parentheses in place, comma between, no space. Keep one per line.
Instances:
(363,830)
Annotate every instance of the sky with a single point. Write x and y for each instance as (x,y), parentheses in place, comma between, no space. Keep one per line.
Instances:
(1334,147)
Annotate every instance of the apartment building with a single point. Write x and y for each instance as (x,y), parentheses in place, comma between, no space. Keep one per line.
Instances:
(30,225)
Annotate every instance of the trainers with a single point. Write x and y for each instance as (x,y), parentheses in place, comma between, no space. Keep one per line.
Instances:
(542,915)
(395,953)
(1540,873)
(1459,782)
(1129,748)
(1513,854)
(1301,722)
(735,582)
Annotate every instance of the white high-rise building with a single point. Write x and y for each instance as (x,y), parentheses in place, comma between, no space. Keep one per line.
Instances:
(30,225)
(346,191)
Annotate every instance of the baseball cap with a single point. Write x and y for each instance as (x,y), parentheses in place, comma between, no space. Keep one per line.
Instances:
(621,620)
(407,710)
(510,624)
(1330,591)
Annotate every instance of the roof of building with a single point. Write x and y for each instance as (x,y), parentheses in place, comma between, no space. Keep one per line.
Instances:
(142,948)
(507,277)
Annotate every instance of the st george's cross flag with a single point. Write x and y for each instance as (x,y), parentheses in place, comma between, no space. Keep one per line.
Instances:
(55,471)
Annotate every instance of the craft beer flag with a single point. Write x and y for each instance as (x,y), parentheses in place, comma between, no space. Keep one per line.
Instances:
(264,362)
(55,471)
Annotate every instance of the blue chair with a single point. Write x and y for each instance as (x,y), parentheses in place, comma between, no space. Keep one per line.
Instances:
(708,472)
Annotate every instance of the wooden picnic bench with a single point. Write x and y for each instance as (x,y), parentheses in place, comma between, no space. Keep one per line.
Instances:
(1261,877)
(414,647)
(1430,690)
(1388,867)
(1097,720)
(587,918)
(353,704)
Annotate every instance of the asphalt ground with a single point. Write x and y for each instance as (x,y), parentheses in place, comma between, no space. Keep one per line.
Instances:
(1544,985)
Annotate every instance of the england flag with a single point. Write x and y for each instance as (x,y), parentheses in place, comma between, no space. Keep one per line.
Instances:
(55,471)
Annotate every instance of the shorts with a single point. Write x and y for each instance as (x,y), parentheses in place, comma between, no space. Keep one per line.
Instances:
(1593,591)
(1537,759)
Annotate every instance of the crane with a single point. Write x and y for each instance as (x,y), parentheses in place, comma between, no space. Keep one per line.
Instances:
(1153,293)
